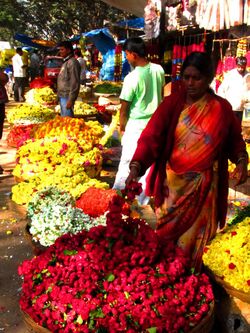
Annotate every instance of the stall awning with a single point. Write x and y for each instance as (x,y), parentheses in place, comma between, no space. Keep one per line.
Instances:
(102,39)
(30,41)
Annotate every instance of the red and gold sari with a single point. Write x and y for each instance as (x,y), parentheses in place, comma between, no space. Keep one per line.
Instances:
(188,213)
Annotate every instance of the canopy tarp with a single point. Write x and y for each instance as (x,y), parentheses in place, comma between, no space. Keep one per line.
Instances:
(137,23)
(135,7)
(102,39)
(37,43)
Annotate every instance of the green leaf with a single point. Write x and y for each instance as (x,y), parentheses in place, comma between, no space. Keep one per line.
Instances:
(110,277)
(152,329)
(70,252)
(79,320)
(126,294)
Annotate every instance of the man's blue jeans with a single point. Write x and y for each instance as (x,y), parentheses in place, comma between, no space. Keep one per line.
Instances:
(64,111)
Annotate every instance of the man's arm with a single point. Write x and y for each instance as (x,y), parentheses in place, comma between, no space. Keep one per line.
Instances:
(124,113)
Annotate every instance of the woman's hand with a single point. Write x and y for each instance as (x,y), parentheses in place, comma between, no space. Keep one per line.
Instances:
(240,172)
(133,175)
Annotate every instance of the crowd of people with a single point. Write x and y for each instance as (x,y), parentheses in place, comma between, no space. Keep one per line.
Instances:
(178,147)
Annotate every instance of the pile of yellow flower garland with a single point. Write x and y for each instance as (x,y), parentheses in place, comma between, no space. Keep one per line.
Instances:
(29,114)
(227,256)
(63,154)
(41,96)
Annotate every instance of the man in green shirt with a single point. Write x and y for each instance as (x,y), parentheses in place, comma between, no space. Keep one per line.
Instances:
(141,94)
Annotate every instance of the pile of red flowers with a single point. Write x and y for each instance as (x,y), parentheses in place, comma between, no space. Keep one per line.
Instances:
(114,278)
(41,82)
(19,134)
(95,201)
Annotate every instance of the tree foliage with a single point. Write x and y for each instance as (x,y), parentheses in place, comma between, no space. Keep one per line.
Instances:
(54,20)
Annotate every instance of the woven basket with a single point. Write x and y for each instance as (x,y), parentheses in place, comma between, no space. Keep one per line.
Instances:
(205,325)
(36,246)
(33,327)
(245,297)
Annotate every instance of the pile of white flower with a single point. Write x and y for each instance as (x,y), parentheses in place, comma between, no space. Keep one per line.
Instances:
(52,213)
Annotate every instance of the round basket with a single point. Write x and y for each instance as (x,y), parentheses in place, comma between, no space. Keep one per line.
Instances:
(245,297)
(33,327)
(36,246)
(207,323)
(204,326)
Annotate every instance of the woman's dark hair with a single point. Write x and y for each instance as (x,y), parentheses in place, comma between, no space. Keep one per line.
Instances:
(136,45)
(201,61)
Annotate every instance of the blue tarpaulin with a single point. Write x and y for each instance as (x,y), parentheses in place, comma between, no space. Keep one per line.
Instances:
(137,23)
(30,41)
(102,39)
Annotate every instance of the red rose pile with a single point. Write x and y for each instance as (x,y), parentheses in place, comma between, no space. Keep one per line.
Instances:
(114,278)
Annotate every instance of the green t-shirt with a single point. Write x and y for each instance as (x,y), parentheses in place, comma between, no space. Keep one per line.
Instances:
(143,89)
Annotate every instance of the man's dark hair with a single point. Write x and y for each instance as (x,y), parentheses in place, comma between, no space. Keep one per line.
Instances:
(68,45)
(201,61)
(136,45)
(18,49)
(241,61)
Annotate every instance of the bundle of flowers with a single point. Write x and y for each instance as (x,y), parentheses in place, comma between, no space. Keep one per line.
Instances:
(75,184)
(95,201)
(52,213)
(85,132)
(41,96)
(49,156)
(29,114)
(19,134)
(114,278)
(84,109)
(227,256)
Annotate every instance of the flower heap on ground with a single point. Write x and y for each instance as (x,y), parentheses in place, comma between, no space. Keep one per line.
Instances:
(25,114)
(66,156)
(84,109)
(114,278)
(52,213)
(41,96)
(227,255)
(19,134)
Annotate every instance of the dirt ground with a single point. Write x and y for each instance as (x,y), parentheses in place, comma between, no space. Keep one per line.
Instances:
(15,247)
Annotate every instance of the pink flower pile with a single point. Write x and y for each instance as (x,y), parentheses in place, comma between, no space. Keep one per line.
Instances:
(114,278)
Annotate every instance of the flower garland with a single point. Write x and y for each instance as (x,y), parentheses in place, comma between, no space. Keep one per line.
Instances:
(227,256)
(118,63)
(19,134)
(52,213)
(46,156)
(85,132)
(41,96)
(94,201)
(26,114)
(114,278)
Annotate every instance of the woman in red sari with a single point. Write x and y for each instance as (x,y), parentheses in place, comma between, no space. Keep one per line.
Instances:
(187,143)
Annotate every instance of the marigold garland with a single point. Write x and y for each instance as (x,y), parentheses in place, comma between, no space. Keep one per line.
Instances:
(227,256)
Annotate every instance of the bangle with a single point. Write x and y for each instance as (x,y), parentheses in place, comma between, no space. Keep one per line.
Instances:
(135,165)
(243,158)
